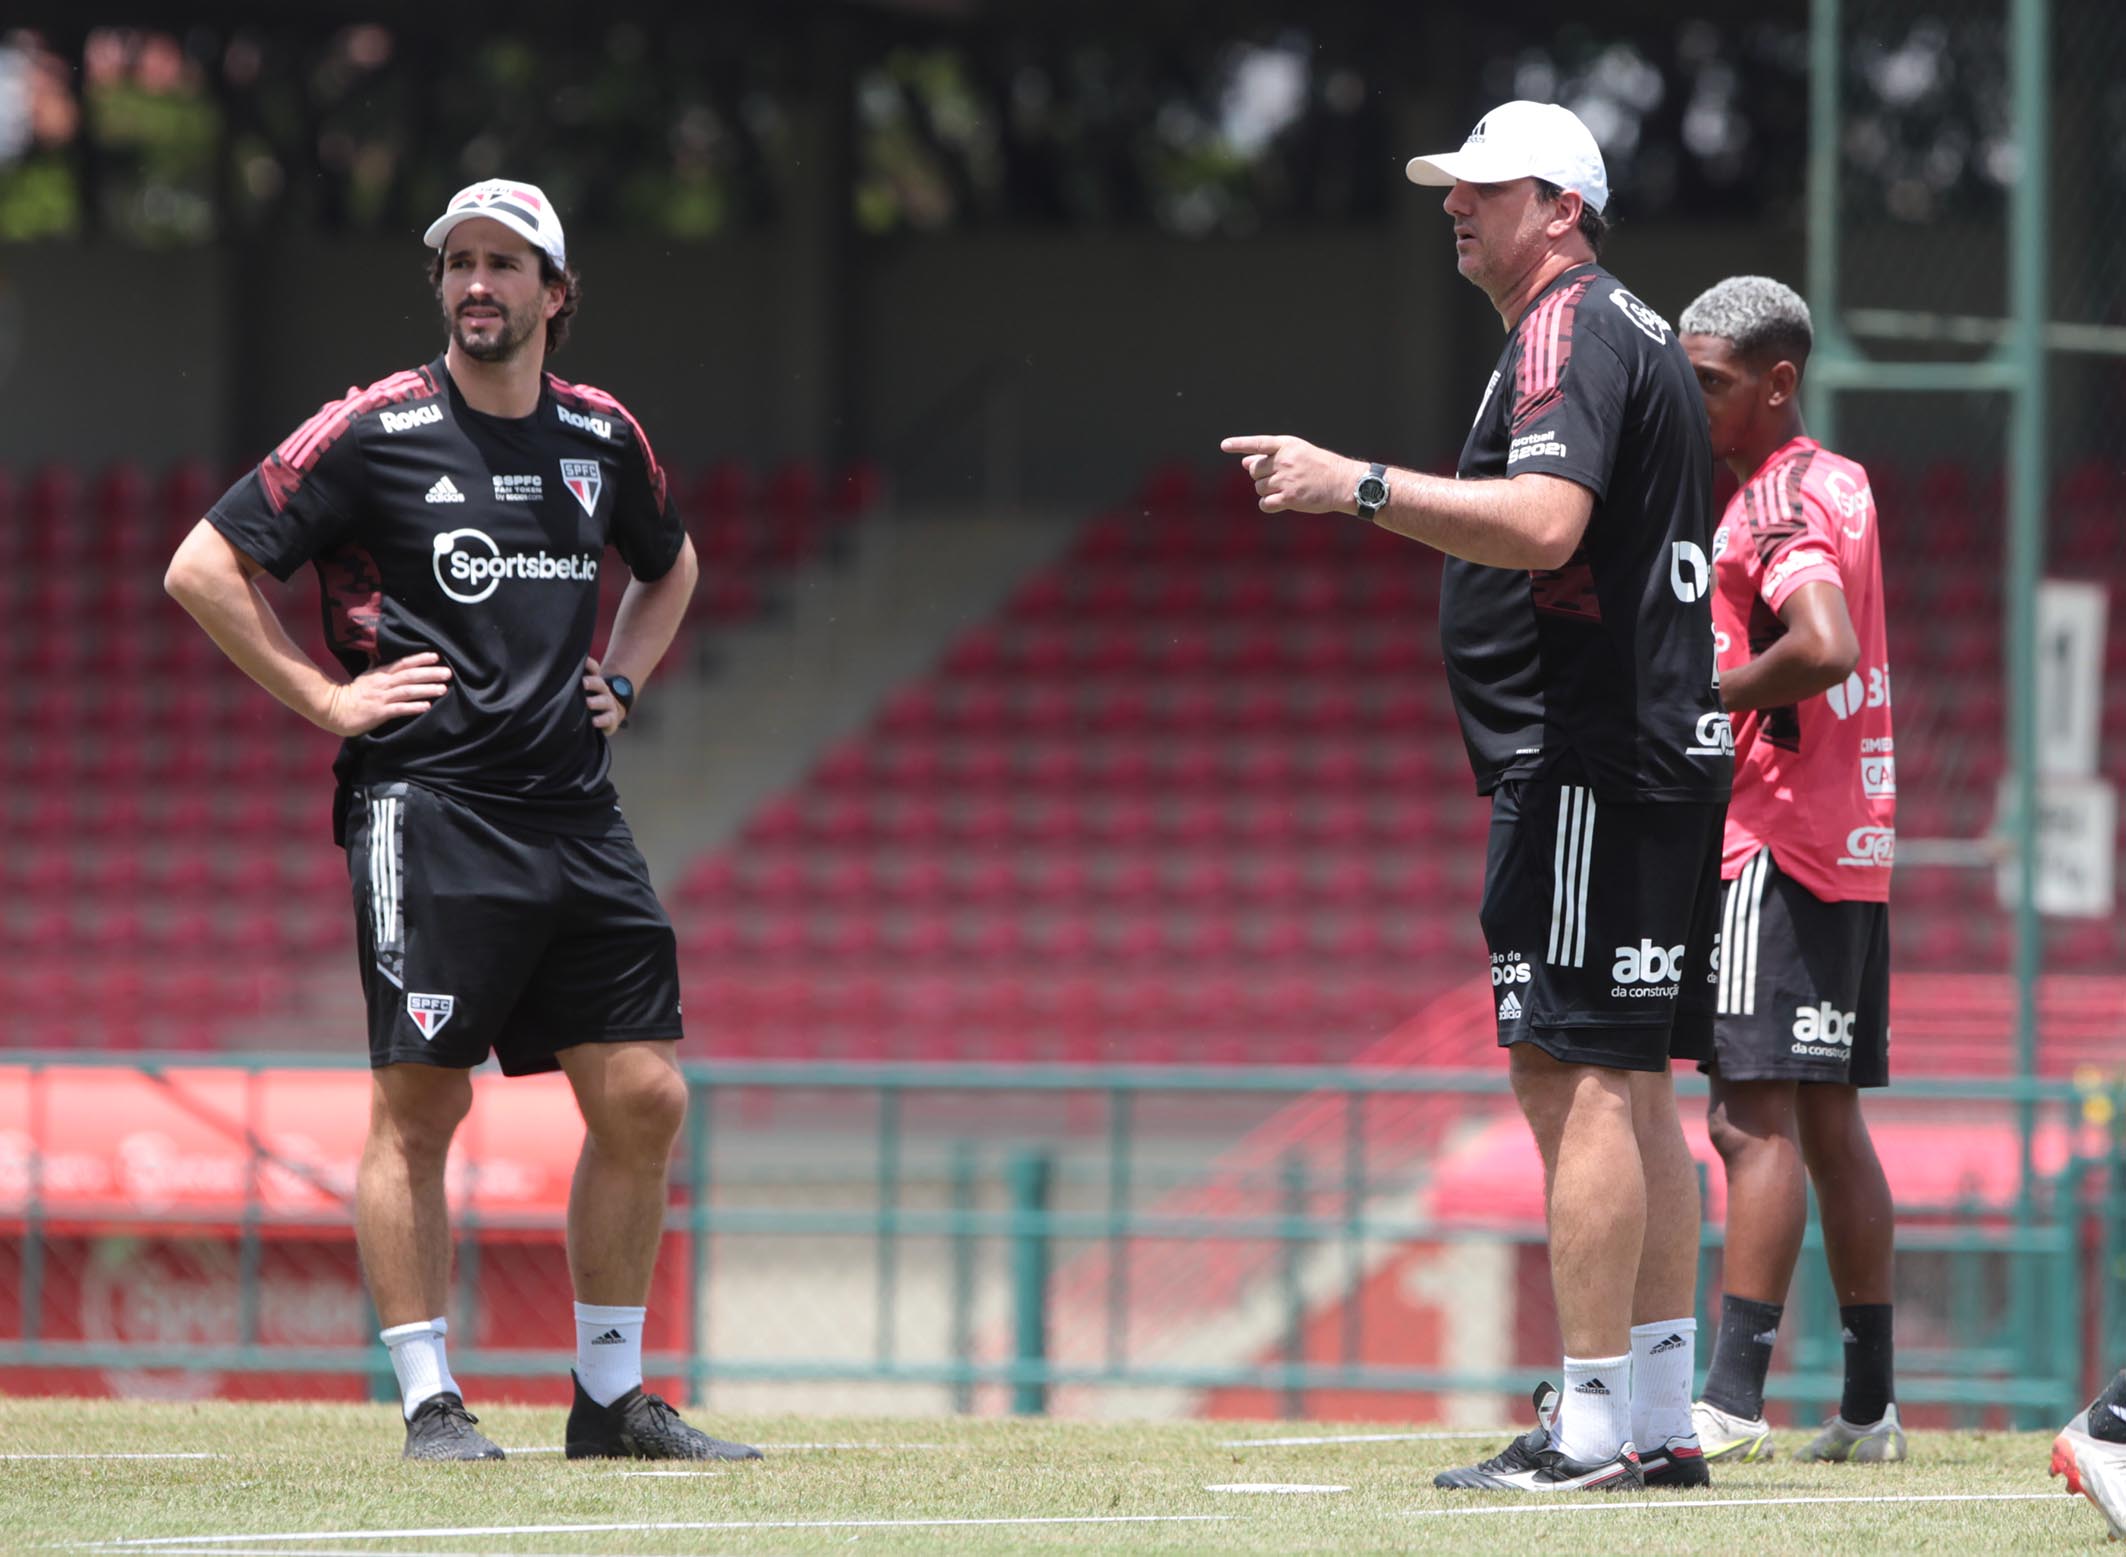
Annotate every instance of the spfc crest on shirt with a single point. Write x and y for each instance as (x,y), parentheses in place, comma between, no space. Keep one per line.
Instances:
(585,480)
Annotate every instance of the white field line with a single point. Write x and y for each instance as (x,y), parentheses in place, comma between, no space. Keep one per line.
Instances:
(221,1543)
(784,1448)
(1279,1443)
(673,1473)
(789,1447)
(141,1456)
(1292,1488)
(1666,1506)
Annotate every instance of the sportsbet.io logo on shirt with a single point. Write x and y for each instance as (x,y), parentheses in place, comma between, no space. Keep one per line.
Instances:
(469,566)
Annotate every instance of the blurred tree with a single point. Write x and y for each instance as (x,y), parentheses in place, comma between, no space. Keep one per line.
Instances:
(664,119)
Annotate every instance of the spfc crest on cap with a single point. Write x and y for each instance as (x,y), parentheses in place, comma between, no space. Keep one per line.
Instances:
(585,480)
(430,1013)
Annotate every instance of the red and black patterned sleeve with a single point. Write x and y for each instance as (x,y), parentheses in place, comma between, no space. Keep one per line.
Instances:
(299,501)
(1794,544)
(306,495)
(1772,506)
(1570,392)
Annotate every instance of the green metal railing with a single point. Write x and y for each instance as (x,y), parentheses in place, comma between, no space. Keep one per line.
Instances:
(1028,1201)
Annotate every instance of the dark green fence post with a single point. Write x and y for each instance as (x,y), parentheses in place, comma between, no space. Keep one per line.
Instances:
(464,1313)
(2111,1243)
(33,1216)
(1031,1176)
(465,1326)
(889,1235)
(1292,1230)
(250,1250)
(1119,1126)
(1702,1308)
(383,1382)
(963,1276)
(700,1100)
(2062,1331)
(1354,1226)
(1817,1346)
(1968,1329)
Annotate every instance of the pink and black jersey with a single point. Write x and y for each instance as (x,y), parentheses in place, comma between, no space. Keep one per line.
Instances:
(1816,782)
(436,527)
(1598,673)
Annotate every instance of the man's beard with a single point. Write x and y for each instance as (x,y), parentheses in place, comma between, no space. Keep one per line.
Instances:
(503,344)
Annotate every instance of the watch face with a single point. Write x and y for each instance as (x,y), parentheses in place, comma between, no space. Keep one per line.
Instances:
(1372,491)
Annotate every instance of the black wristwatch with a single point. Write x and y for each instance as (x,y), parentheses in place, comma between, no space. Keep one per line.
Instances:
(623,691)
(1372,493)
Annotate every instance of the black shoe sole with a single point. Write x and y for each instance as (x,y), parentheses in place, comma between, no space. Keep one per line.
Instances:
(1678,1476)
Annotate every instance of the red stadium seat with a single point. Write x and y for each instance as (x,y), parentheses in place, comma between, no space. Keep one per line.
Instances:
(1171,492)
(40,998)
(118,936)
(191,937)
(51,517)
(1059,880)
(14,530)
(857,490)
(180,500)
(724,488)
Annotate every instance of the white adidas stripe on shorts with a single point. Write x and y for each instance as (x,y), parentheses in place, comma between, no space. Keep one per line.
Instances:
(1569,874)
(1739,919)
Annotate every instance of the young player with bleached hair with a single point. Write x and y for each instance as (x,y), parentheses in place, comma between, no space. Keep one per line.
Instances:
(1802,1017)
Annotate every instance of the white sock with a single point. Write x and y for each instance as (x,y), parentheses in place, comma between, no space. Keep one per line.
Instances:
(450,1385)
(1594,1408)
(417,1359)
(1664,1361)
(608,1350)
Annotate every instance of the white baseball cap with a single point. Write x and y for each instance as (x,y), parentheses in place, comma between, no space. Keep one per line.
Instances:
(1521,139)
(522,208)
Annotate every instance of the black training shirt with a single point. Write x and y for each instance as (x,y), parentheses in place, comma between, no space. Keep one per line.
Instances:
(436,527)
(1600,672)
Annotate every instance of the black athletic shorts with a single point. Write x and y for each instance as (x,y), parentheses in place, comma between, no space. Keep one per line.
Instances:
(1804,988)
(475,936)
(1600,919)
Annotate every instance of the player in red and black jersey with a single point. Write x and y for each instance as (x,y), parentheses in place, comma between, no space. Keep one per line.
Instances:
(458,515)
(1578,637)
(1804,988)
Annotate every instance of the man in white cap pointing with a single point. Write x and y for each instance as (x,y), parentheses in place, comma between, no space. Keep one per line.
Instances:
(457,515)
(1577,627)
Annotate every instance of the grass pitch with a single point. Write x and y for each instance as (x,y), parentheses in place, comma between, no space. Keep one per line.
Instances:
(322,1481)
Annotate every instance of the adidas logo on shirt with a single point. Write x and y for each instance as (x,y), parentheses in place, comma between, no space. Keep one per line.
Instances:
(1591,1387)
(445,491)
(1510,1007)
(1669,1345)
(610,1338)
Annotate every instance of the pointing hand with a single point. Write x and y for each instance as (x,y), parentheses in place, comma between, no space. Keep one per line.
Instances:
(1292,474)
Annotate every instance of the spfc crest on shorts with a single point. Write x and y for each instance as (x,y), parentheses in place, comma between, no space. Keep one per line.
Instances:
(430,1012)
(585,480)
